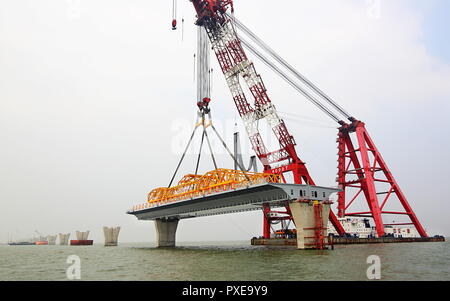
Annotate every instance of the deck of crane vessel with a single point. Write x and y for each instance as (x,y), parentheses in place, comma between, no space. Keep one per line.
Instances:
(238,200)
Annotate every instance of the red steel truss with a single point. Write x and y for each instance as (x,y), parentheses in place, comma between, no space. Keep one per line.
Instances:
(361,167)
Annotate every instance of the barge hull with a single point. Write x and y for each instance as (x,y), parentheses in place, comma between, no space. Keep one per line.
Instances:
(81,242)
(345,241)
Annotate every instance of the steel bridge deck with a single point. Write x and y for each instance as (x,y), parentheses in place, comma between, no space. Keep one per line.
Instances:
(238,200)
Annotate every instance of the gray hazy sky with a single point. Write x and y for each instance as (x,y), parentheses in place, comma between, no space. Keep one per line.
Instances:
(96,97)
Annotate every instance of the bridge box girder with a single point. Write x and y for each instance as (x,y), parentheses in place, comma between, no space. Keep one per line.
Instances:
(238,200)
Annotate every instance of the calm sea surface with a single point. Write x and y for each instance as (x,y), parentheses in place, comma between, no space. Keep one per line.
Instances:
(225,261)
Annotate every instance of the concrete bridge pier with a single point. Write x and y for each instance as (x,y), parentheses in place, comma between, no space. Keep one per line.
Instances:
(111,236)
(311,219)
(64,239)
(166,230)
(51,239)
(82,235)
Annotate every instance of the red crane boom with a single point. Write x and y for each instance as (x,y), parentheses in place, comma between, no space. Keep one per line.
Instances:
(363,161)
(211,14)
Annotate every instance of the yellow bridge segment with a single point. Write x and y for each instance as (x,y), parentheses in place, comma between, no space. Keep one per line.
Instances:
(219,180)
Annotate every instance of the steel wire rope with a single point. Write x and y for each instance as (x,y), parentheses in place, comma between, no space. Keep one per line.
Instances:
(284,63)
(289,80)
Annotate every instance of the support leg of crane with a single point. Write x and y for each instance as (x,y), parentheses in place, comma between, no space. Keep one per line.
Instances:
(311,218)
(166,231)
(362,166)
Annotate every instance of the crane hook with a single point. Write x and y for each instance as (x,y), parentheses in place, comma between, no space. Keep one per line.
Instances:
(174,13)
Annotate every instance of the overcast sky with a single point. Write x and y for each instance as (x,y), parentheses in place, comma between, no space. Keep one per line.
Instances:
(96,97)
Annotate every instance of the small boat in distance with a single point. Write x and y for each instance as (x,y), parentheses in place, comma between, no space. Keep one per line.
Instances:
(83,242)
(21,243)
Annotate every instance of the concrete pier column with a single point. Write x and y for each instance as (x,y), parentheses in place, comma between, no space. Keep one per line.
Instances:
(166,231)
(82,235)
(305,222)
(111,236)
(51,239)
(64,239)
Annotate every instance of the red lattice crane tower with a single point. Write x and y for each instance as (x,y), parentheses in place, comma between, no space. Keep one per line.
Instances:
(360,162)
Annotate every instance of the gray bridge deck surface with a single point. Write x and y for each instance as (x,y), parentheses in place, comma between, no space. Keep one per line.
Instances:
(239,200)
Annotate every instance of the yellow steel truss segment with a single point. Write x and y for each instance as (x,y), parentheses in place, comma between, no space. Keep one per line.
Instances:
(191,186)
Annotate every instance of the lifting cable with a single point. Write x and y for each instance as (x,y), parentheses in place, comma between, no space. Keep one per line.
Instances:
(284,63)
(194,69)
(182,157)
(200,152)
(205,135)
(210,149)
(203,65)
(289,80)
(203,74)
